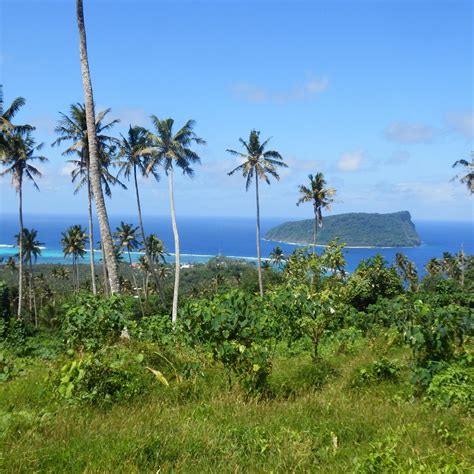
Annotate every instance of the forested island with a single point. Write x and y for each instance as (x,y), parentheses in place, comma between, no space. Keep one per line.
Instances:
(355,229)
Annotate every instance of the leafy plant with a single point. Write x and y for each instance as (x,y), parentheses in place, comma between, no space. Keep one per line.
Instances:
(236,330)
(378,371)
(453,386)
(90,321)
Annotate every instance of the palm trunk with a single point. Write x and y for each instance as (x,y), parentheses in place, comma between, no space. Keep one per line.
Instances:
(142,231)
(134,279)
(20,249)
(104,271)
(91,237)
(259,257)
(174,313)
(315,228)
(77,276)
(33,293)
(94,166)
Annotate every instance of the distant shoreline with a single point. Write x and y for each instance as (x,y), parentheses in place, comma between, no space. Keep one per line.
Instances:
(346,246)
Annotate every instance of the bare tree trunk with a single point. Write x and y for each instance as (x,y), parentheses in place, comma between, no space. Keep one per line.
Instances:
(142,231)
(174,313)
(94,165)
(259,257)
(91,237)
(20,249)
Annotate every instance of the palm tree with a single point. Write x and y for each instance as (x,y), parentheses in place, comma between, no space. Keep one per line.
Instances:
(433,267)
(7,115)
(94,157)
(134,161)
(468,178)
(73,127)
(18,150)
(333,257)
(170,150)
(31,251)
(258,164)
(407,271)
(126,236)
(74,243)
(277,257)
(320,196)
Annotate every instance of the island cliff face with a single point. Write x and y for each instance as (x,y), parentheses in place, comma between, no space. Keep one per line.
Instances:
(355,229)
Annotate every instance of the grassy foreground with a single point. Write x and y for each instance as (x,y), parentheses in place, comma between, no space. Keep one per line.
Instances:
(314,420)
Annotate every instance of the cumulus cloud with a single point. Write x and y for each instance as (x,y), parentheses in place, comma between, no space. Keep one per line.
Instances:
(462,123)
(409,133)
(351,161)
(259,95)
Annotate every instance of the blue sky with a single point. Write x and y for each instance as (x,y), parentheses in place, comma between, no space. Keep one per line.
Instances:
(375,94)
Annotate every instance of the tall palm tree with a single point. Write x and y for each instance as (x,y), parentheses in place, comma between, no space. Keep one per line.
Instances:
(169,150)
(258,164)
(73,128)
(320,196)
(31,251)
(132,162)
(277,257)
(94,158)
(74,243)
(18,150)
(468,178)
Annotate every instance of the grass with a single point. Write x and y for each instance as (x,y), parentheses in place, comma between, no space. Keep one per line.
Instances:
(315,421)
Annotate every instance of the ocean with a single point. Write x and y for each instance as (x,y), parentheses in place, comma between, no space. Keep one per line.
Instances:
(205,237)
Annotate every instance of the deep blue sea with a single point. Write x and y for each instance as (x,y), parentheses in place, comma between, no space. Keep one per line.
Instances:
(204,237)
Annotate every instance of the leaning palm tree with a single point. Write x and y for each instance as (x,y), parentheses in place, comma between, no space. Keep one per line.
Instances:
(73,128)
(132,162)
(74,244)
(94,157)
(18,150)
(7,115)
(258,164)
(468,178)
(31,251)
(169,150)
(320,196)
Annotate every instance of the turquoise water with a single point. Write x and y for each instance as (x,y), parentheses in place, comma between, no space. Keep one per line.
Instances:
(203,238)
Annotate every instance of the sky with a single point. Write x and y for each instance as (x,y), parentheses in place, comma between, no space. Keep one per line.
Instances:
(377,95)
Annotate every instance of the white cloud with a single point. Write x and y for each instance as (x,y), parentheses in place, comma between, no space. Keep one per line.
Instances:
(257,94)
(351,161)
(409,133)
(462,123)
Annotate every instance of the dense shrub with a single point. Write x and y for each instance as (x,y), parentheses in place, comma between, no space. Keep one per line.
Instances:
(111,374)
(90,321)
(4,305)
(378,371)
(453,386)
(372,279)
(236,330)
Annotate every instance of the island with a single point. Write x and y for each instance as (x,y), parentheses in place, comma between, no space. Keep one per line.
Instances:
(355,229)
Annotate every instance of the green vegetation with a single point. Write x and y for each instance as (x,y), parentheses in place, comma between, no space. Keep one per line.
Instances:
(354,229)
(324,373)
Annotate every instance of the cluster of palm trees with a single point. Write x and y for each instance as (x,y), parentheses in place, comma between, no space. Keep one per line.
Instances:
(140,153)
